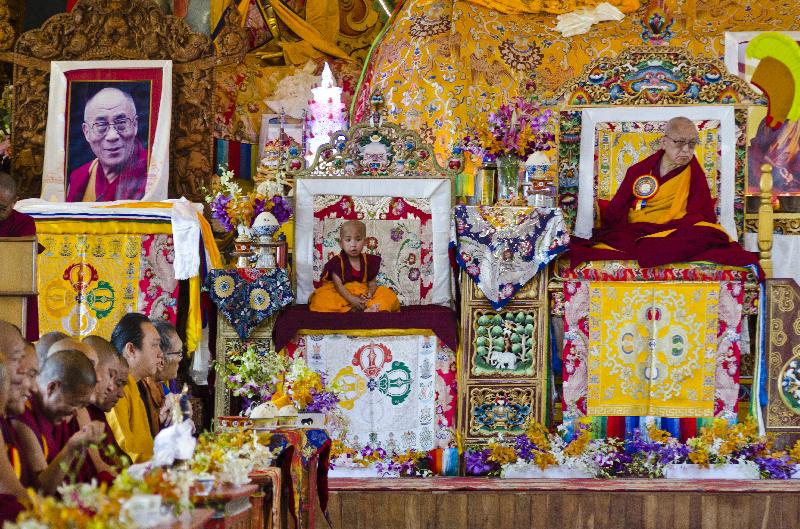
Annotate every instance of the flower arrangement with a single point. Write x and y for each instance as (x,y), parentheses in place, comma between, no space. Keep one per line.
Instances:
(538,448)
(252,373)
(232,206)
(93,506)
(718,444)
(517,128)
(648,453)
(385,464)
(230,456)
(307,389)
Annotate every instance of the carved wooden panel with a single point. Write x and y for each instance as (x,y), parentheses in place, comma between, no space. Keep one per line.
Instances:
(531,292)
(505,344)
(498,410)
(783,355)
(228,340)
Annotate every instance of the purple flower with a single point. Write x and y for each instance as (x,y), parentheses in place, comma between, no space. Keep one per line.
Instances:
(219,211)
(478,464)
(525,448)
(281,209)
(413,274)
(775,467)
(396,234)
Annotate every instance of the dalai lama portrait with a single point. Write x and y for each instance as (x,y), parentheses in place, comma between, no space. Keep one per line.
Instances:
(117,164)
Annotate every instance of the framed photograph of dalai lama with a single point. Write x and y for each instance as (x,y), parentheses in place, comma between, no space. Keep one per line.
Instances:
(108,131)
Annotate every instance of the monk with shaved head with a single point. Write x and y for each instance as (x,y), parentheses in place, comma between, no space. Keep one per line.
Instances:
(71,344)
(47,340)
(51,441)
(21,368)
(11,490)
(112,377)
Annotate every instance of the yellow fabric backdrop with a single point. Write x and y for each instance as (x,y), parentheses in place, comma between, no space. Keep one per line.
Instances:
(658,357)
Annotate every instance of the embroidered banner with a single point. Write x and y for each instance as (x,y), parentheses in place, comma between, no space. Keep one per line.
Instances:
(248,296)
(693,331)
(399,391)
(87,283)
(652,349)
(502,248)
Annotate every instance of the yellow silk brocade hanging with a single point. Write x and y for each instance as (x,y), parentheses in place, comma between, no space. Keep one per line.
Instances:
(554,7)
(76,227)
(652,348)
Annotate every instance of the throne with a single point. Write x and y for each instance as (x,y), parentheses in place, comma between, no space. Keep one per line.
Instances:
(663,342)
(398,369)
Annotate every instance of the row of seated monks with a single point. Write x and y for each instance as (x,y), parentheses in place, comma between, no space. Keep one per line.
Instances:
(72,410)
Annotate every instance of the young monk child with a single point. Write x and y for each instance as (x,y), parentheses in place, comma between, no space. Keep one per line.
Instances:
(349,278)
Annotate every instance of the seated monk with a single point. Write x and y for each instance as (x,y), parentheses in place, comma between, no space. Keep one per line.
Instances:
(137,340)
(348,279)
(51,442)
(112,377)
(15,387)
(663,212)
(22,368)
(16,224)
(46,341)
(161,389)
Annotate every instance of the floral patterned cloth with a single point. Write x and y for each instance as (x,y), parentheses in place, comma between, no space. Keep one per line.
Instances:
(303,459)
(502,248)
(399,230)
(248,296)
(581,335)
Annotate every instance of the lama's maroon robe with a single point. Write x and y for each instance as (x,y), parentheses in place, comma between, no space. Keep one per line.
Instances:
(687,243)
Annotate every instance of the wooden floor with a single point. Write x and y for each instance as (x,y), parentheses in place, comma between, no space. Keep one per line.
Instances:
(478,503)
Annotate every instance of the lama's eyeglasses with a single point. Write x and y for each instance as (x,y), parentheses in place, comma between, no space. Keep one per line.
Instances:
(120,125)
(680,144)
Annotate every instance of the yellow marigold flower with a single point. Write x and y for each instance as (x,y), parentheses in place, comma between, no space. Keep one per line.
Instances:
(579,444)
(656,435)
(699,457)
(502,454)
(794,453)
(544,459)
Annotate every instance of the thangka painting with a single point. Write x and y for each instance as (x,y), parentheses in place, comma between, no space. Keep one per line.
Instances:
(399,230)
(88,282)
(399,392)
(108,131)
(779,147)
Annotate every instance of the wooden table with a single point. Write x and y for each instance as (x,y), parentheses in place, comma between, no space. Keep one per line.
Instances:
(232,507)
(197,519)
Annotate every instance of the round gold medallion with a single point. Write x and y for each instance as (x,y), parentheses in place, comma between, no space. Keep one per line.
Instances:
(645,187)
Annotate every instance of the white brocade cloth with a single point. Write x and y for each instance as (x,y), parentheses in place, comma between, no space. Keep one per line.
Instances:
(390,387)
(785,254)
(502,248)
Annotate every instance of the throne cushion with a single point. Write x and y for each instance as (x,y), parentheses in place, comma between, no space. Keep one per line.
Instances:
(415,319)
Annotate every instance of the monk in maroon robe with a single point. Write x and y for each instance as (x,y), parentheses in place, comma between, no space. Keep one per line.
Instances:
(663,212)
(52,444)
(119,170)
(16,224)
(18,370)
